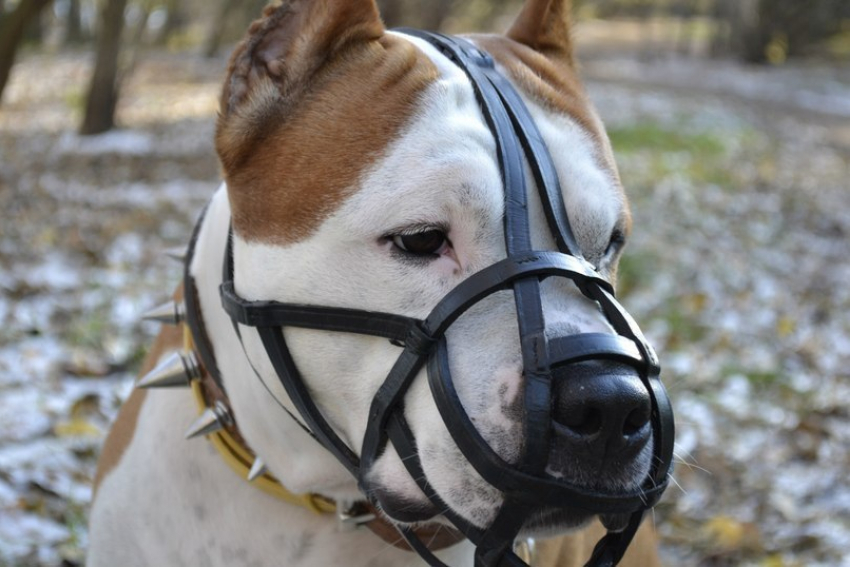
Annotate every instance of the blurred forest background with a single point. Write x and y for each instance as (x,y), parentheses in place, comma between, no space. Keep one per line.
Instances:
(119,31)
(730,121)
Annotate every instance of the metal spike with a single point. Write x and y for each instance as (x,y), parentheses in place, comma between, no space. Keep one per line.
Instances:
(177,370)
(177,253)
(171,313)
(258,469)
(211,420)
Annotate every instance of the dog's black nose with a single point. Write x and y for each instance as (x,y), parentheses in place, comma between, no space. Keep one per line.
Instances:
(601,411)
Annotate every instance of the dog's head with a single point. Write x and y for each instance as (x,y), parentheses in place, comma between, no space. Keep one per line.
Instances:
(361,173)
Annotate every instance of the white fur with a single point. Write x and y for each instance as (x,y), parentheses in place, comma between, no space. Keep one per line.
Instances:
(440,172)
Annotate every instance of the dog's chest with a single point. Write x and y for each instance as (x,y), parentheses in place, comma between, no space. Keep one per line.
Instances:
(205,515)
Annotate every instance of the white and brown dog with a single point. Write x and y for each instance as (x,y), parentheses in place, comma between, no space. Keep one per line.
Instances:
(359,173)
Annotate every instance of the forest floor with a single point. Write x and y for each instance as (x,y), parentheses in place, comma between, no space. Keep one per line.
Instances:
(737,270)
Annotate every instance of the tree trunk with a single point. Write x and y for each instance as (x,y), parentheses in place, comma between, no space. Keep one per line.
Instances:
(73,24)
(12,30)
(391,13)
(213,40)
(103,91)
(433,13)
(173,20)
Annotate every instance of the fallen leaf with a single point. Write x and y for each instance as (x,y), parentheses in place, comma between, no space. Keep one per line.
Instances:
(76,427)
(785,326)
(729,534)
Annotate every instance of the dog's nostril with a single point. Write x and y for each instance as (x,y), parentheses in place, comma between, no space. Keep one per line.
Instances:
(582,420)
(601,406)
(636,420)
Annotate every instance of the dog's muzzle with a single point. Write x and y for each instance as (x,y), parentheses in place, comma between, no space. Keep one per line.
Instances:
(628,404)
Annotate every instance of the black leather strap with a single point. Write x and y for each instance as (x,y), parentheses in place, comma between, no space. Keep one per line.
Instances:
(274,314)
(192,304)
(502,275)
(227,277)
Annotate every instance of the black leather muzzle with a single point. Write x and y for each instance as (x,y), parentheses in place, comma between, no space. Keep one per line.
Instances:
(526,486)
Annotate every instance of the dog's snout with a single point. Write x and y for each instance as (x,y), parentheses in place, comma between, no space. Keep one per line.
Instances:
(601,409)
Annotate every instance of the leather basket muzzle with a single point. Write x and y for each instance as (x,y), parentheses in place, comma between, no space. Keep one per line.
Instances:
(525,485)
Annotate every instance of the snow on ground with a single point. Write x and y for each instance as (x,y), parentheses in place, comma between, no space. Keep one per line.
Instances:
(737,270)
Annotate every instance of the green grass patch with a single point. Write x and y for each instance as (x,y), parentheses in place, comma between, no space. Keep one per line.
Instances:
(651,136)
(760,379)
(89,329)
(765,378)
(685,328)
(75,100)
(636,268)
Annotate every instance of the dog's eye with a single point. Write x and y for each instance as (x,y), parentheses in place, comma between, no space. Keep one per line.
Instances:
(618,240)
(427,243)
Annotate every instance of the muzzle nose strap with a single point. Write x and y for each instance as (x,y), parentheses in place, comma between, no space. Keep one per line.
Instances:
(594,346)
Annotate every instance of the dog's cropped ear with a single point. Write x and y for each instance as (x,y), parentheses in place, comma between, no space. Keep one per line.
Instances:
(278,60)
(544,25)
(291,42)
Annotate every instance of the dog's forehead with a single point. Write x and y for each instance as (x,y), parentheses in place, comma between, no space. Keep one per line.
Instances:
(454,152)
(373,104)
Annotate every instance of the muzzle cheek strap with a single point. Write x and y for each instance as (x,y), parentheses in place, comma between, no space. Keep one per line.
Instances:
(389,397)
(284,365)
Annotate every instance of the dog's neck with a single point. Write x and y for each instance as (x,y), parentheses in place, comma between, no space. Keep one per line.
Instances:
(271,432)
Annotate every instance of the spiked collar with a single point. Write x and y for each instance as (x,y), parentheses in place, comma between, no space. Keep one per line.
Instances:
(195,367)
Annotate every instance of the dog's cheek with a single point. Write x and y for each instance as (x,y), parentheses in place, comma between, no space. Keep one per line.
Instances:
(446,468)
(458,484)
(492,397)
(388,476)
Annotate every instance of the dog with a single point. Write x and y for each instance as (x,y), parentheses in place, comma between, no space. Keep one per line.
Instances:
(360,174)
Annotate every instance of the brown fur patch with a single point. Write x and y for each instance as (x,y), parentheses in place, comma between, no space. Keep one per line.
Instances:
(290,163)
(121,434)
(119,437)
(292,40)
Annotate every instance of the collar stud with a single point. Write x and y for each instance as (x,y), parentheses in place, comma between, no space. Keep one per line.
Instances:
(258,469)
(214,418)
(171,313)
(177,370)
(351,516)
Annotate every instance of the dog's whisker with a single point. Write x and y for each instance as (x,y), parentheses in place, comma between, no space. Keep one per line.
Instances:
(677,485)
(680,453)
(690,463)
(695,467)
(642,496)
(409,457)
